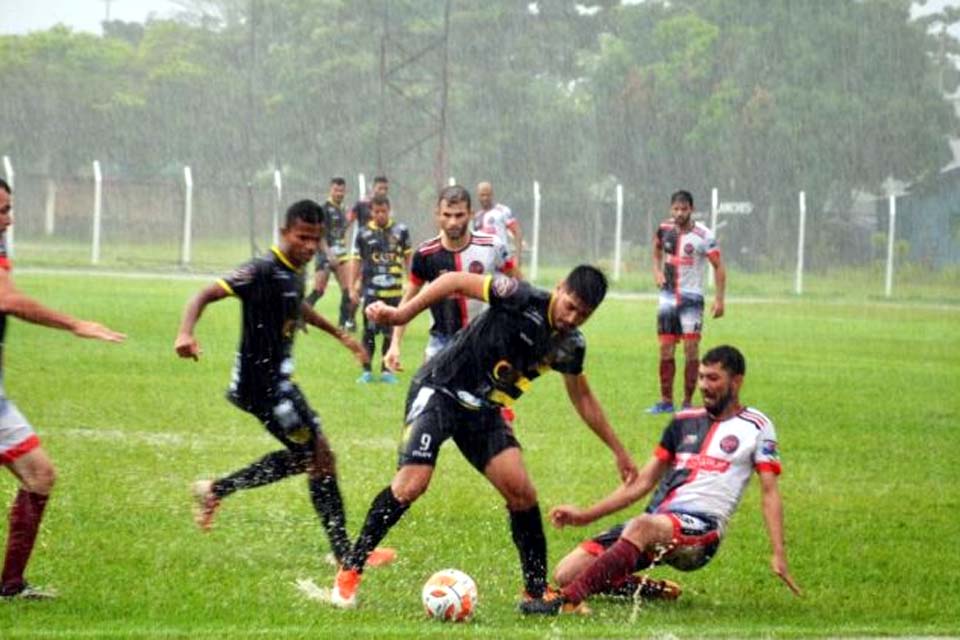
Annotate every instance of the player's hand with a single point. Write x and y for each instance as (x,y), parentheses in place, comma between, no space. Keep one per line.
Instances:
(380,312)
(86,329)
(566,514)
(187,346)
(717,308)
(779,566)
(660,279)
(392,358)
(358,351)
(628,470)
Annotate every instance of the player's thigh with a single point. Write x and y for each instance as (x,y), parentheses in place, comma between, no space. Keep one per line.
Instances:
(649,530)
(289,418)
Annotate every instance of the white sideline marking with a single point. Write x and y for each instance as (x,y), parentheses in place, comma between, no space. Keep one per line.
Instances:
(617,295)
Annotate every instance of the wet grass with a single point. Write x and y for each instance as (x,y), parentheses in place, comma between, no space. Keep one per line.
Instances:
(864,397)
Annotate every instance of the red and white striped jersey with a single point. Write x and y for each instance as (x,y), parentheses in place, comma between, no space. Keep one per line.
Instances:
(711,462)
(482,255)
(685,256)
(496,221)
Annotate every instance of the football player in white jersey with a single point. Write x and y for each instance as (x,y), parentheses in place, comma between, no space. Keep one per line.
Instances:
(497,219)
(681,250)
(699,470)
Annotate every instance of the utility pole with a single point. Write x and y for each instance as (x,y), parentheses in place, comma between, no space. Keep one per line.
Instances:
(107,3)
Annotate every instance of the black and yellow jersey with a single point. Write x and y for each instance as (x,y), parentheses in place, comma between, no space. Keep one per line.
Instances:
(271,291)
(382,252)
(335,223)
(494,359)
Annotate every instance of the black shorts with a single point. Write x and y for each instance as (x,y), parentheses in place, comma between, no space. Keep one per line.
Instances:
(371,326)
(433,417)
(285,414)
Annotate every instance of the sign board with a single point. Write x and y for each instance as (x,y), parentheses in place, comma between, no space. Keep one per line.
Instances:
(735,208)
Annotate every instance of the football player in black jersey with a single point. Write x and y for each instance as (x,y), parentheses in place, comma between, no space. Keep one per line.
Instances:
(270,289)
(334,257)
(459,392)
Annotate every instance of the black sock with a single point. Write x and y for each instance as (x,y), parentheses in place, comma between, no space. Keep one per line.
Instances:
(527,529)
(384,513)
(313,297)
(326,498)
(270,468)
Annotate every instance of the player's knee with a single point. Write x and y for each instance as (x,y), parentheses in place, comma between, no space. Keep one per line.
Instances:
(521,498)
(407,488)
(639,531)
(570,567)
(41,479)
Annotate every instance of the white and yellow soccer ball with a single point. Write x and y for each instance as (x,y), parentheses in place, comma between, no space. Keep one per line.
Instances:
(451,595)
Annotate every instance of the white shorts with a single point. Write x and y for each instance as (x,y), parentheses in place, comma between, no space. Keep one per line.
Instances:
(16,435)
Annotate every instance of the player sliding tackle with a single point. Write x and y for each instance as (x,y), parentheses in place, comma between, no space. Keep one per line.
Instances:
(459,392)
(700,470)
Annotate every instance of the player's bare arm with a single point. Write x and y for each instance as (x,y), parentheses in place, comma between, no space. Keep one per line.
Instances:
(17,304)
(657,254)
(589,409)
(392,357)
(186,344)
(315,319)
(471,285)
(773,517)
(626,494)
(720,278)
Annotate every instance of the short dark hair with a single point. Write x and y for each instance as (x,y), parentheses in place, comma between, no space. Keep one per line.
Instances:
(454,194)
(306,210)
(682,196)
(588,283)
(379,200)
(727,357)
(5,186)
(337,180)
(377,179)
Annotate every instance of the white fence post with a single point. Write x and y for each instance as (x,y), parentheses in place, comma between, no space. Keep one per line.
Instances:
(535,249)
(278,191)
(362,184)
(714,212)
(50,211)
(187,216)
(890,244)
(97,212)
(11,175)
(618,233)
(798,283)
(452,181)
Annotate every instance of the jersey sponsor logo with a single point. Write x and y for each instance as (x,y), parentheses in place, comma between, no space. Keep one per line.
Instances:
(703,463)
(691,438)
(729,444)
(504,286)
(770,448)
(383,280)
(475,267)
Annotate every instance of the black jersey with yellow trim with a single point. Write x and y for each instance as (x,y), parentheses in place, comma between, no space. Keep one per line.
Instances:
(335,223)
(382,252)
(495,358)
(270,289)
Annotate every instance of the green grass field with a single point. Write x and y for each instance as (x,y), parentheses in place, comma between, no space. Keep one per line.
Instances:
(864,396)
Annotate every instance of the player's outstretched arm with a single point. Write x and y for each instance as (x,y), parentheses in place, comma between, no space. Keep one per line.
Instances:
(186,344)
(591,412)
(720,278)
(450,283)
(623,496)
(313,318)
(26,308)
(773,517)
(392,357)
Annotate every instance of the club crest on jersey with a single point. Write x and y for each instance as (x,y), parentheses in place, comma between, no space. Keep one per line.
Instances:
(475,267)
(688,249)
(729,444)
(503,286)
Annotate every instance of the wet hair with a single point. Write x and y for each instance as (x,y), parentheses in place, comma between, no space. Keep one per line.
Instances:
(306,210)
(340,182)
(377,179)
(5,186)
(379,200)
(727,357)
(588,284)
(454,194)
(682,196)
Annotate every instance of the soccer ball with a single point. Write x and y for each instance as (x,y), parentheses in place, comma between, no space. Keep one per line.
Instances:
(450,595)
